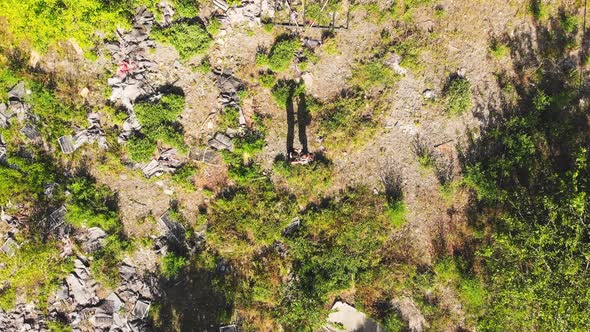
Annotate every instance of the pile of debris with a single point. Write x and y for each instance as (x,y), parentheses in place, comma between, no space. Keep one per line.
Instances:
(24,317)
(168,162)
(249,11)
(79,292)
(229,97)
(229,86)
(167,13)
(131,80)
(94,133)
(17,108)
(2,148)
(221,141)
(55,223)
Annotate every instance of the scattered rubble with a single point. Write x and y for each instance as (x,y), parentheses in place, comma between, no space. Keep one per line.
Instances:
(292,227)
(94,133)
(250,11)
(393,62)
(9,247)
(24,317)
(311,43)
(221,4)
(17,106)
(411,314)
(220,141)
(93,239)
(167,13)
(230,86)
(429,94)
(168,162)
(131,80)
(2,148)
(228,328)
(345,318)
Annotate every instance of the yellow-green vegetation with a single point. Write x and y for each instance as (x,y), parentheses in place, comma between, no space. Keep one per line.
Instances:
(184,177)
(350,118)
(457,96)
(499,50)
(34,271)
(373,74)
(284,91)
(308,182)
(172,264)
(159,124)
(539,9)
(42,23)
(188,39)
(267,79)
(281,54)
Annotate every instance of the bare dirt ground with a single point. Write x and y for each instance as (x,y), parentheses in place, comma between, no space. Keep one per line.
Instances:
(459,41)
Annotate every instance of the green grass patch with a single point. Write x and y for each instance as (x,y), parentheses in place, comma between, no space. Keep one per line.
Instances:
(188,39)
(172,265)
(159,124)
(34,271)
(499,50)
(281,54)
(457,96)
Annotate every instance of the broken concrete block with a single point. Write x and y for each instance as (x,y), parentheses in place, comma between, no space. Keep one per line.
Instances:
(141,309)
(429,94)
(228,328)
(63,292)
(345,317)
(127,272)
(2,148)
(66,143)
(9,247)
(17,92)
(221,4)
(411,314)
(292,227)
(116,300)
(31,132)
(221,142)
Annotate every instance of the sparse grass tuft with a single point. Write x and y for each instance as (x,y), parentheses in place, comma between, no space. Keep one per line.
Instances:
(457,96)
(499,50)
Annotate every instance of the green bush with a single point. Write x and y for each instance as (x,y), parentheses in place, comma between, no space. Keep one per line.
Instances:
(284,90)
(184,176)
(188,39)
(267,80)
(187,8)
(457,96)
(92,205)
(281,54)
(348,119)
(159,124)
(172,265)
(141,149)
